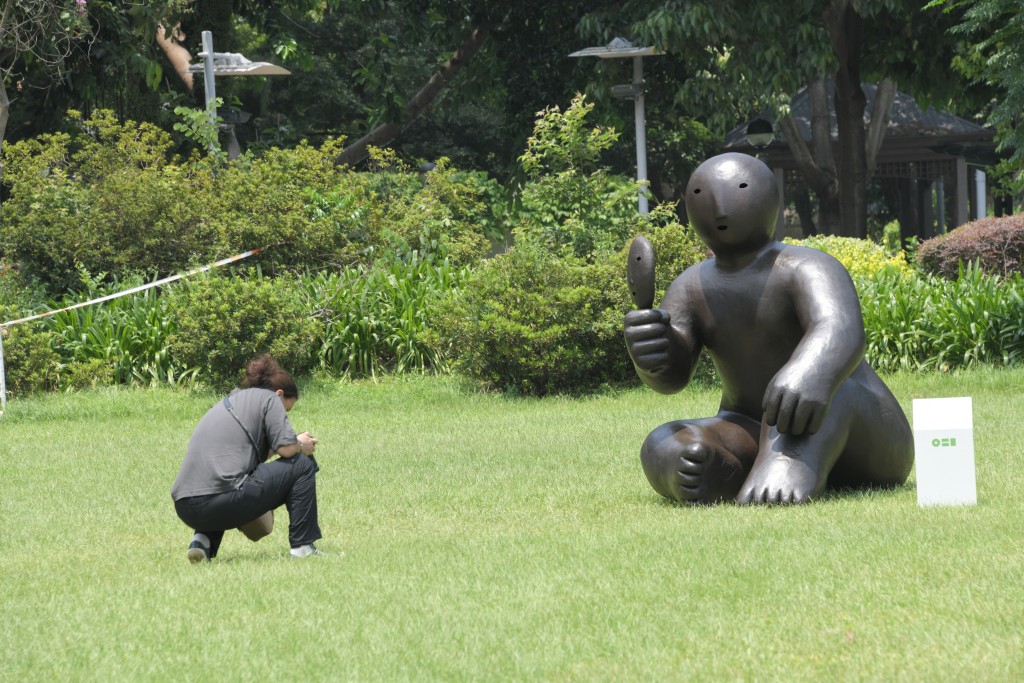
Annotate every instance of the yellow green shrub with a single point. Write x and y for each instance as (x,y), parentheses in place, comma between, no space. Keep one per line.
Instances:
(860,257)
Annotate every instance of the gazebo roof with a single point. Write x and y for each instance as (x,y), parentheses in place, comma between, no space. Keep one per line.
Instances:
(911,130)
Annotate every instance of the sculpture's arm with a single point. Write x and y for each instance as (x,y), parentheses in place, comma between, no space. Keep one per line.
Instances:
(798,397)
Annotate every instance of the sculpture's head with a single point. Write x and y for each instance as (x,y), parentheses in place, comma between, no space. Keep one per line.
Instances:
(732,201)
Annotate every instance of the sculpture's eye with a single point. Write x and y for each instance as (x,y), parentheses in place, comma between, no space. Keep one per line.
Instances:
(697,191)
(743,184)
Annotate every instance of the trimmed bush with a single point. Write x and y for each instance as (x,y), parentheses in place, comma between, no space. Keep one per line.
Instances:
(860,257)
(530,322)
(222,321)
(995,244)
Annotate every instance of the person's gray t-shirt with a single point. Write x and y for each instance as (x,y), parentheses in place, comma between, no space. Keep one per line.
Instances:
(220,456)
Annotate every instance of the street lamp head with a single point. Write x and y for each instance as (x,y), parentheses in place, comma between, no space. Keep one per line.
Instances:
(234,64)
(760,133)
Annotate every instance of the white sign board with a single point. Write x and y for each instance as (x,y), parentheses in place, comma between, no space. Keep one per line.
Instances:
(944,451)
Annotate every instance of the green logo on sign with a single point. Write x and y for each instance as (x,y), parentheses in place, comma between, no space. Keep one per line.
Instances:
(940,443)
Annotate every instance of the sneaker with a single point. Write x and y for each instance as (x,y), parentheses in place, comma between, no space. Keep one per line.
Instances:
(305,551)
(197,552)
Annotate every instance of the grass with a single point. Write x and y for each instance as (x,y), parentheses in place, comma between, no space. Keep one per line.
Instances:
(476,538)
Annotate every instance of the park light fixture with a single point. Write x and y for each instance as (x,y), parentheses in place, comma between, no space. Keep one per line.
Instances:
(621,48)
(227,64)
(760,133)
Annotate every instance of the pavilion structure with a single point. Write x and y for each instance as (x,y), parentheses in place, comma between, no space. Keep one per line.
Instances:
(930,168)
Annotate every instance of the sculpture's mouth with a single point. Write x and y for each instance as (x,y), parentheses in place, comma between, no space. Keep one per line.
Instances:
(722,227)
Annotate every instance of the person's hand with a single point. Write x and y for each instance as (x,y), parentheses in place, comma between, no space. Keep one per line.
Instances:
(307,444)
(647,338)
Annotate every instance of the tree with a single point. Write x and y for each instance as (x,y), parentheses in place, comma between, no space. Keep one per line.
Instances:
(37,36)
(996,58)
(739,59)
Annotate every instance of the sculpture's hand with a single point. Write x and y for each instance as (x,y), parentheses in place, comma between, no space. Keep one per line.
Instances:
(647,338)
(796,402)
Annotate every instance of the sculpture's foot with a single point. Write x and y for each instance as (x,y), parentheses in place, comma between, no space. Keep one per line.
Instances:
(781,479)
(691,471)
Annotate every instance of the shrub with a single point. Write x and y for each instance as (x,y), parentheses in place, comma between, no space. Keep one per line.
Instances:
(111,198)
(531,322)
(107,197)
(860,257)
(30,363)
(569,204)
(222,321)
(995,244)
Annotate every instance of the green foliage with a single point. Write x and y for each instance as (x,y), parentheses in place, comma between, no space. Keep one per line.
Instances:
(860,257)
(438,220)
(921,322)
(378,319)
(30,363)
(569,205)
(111,198)
(122,340)
(562,141)
(196,125)
(106,198)
(996,245)
(221,322)
(532,322)
(993,54)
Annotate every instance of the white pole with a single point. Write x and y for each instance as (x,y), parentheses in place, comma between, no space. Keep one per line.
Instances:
(980,210)
(208,78)
(3,379)
(641,134)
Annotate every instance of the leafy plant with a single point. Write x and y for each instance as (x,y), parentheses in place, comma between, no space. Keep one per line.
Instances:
(222,321)
(922,322)
(569,204)
(378,319)
(30,363)
(124,339)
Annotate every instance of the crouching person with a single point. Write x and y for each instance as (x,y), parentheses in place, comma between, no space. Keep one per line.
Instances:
(226,481)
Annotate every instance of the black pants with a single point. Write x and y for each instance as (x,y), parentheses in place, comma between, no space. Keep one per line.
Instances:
(286,481)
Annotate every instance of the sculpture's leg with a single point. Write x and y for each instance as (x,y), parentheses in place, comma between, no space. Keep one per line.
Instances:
(795,469)
(700,461)
(865,441)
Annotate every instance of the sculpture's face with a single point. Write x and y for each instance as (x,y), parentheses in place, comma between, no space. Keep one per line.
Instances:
(732,201)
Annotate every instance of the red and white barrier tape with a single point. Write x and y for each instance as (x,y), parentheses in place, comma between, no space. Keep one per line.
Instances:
(115,295)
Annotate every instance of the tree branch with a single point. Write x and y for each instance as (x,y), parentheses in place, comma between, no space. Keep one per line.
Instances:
(420,102)
(881,110)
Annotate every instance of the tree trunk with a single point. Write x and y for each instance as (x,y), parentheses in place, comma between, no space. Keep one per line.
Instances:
(816,163)
(885,94)
(420,102)
(846,29)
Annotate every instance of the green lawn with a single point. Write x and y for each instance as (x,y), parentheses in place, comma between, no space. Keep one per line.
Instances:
(475,537)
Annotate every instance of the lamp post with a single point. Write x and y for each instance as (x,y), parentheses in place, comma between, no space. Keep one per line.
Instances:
(617,49)
(227,64)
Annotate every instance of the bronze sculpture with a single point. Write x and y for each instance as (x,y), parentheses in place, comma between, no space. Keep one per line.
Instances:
(801,409)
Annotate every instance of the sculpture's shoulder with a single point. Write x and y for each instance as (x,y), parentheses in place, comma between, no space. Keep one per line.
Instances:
(796,256)
(687,282)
